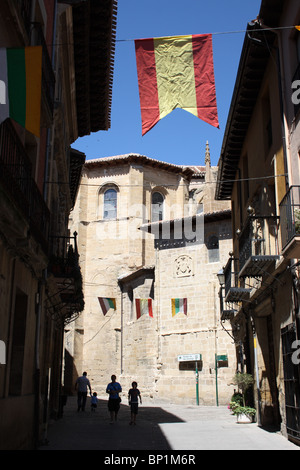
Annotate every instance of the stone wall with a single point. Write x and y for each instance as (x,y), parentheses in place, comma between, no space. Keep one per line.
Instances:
(122,262)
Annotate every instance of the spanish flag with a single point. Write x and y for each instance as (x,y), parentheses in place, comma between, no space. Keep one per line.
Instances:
(21,86)
(176,72)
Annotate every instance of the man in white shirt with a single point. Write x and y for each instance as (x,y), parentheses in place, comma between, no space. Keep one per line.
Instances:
(81,385)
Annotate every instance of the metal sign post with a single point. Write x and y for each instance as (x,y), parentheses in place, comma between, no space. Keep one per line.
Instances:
(192,358)
(197,384)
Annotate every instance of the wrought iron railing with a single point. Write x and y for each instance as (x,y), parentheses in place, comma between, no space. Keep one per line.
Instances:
(64,265)
(15,176)
(63,251)
(259,239)
(290,215)
(231,275)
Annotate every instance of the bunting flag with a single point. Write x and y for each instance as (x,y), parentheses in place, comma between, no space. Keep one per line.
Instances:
(297,27)
(21,86)
(176,72)
(106,303)
(179,306)
(143,306)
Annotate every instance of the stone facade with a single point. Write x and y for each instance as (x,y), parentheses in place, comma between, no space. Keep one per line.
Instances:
(129,256)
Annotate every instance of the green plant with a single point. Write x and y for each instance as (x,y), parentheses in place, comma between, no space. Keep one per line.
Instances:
(237,410)
(238,402)
(297,220)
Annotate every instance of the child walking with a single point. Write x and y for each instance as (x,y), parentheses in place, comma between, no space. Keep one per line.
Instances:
(133,400)
(94,402)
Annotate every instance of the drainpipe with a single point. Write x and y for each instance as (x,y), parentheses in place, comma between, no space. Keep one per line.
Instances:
(122,326)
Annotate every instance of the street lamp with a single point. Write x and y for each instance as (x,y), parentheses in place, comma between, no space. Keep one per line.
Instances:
(221,277)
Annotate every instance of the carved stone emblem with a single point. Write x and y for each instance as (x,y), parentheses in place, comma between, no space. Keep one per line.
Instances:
(183,266)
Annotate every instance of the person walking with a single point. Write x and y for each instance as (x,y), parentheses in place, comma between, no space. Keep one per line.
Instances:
(133,399)
(81,386)
(113,389)
(94,402)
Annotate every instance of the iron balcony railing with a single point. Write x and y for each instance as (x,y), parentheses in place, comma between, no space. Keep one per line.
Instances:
(234,293)
(15,176)
(290,215)
(64,265)
(258,245)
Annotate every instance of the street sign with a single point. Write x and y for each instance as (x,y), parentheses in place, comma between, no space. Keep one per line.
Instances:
(189,357)
(223,358)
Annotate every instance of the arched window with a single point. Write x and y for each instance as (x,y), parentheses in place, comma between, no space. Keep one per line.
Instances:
(157,207)
(110,204)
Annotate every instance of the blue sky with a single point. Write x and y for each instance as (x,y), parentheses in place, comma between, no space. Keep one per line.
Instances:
(180,137)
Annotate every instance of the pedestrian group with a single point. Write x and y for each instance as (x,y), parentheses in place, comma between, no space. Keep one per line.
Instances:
(113,389)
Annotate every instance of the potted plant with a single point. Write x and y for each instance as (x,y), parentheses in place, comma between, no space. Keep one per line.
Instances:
(244,413)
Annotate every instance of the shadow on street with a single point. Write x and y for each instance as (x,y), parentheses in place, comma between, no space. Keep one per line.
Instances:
(92,430)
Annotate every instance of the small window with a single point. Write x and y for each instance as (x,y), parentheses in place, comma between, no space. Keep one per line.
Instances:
(157,208)
(110,204)
(213,249)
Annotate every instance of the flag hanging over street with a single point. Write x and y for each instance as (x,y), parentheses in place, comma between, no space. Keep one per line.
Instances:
(179,306)
(106,303)
(176,72)
(21,86)
(143,306)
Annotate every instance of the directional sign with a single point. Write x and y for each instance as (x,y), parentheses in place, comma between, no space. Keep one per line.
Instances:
(189,357)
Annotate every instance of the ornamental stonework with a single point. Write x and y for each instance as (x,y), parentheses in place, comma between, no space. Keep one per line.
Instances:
(183,266)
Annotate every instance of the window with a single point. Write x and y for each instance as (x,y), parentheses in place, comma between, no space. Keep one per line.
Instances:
(110,204)
(213,249)
(157,208)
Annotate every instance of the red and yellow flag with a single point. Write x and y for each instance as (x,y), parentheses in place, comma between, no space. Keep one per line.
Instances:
(176,72)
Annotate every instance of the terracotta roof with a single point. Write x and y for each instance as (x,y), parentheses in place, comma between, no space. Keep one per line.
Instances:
(137,158)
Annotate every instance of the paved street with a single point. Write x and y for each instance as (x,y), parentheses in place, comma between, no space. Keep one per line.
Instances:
(159,428)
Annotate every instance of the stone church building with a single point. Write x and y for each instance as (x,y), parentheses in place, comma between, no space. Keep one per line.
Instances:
(151,239)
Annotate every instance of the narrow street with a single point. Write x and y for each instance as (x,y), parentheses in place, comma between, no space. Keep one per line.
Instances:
(159,428)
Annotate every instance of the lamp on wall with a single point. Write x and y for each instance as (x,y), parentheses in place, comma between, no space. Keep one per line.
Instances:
(221,277)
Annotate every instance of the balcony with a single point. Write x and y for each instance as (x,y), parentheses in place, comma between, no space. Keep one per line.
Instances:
(258,246)
(233,292)
(15,177)
(290,223)
(67,302)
